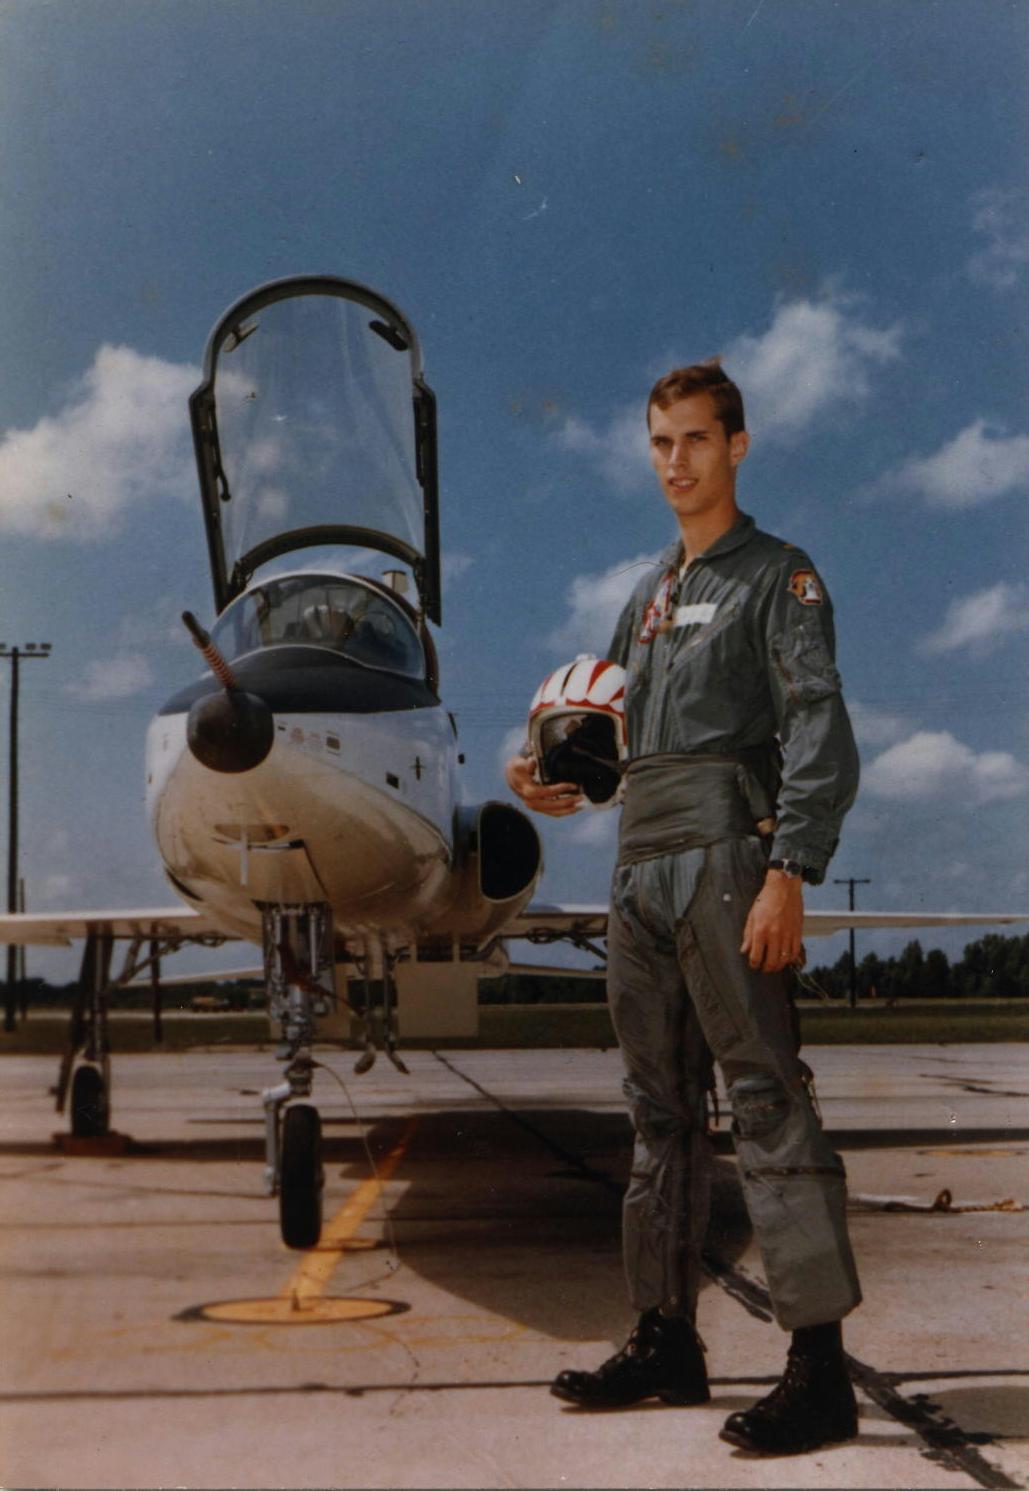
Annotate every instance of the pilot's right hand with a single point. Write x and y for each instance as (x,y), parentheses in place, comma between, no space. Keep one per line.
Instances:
(557,801)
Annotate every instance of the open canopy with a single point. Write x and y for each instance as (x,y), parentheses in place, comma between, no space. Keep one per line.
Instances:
(313,425)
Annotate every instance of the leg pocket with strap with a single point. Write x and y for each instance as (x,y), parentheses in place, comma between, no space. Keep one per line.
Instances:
(795,1189)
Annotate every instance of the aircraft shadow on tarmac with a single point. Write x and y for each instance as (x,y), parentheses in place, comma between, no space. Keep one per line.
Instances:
(515,1210)
(519,1213)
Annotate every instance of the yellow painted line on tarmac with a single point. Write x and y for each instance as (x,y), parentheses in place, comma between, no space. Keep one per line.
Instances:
(316,1267)
(303,1301)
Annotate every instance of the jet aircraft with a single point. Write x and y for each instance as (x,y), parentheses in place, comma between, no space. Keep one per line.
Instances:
(303,790)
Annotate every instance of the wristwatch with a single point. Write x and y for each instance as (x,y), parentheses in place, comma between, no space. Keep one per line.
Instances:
(791,868)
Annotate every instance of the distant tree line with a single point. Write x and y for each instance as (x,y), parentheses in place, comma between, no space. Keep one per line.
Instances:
(992,968)
(238,995)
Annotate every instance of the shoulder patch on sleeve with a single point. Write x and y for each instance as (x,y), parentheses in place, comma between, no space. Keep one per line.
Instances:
(804,585)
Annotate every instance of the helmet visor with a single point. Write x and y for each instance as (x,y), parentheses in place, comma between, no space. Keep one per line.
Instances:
(582,749)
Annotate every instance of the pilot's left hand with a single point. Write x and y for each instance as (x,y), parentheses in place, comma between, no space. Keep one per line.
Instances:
(774,930)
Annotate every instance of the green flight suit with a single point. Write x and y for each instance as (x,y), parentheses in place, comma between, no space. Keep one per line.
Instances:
(734,715)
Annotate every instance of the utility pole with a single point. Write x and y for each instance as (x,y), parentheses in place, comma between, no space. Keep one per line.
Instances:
(850,883)
(29,652)
(23,988)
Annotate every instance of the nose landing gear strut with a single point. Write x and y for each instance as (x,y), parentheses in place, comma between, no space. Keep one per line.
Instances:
(298,959)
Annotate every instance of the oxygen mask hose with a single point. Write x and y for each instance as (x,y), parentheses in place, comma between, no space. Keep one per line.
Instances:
(229,730)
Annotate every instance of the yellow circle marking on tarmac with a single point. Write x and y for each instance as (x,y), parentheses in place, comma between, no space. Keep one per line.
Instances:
(303,1301)
(322,1310)
(317,1266)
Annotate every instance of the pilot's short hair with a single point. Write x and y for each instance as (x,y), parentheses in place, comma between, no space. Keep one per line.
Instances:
(701,377)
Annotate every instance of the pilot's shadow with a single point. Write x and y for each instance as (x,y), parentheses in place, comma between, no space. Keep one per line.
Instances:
(520,1213)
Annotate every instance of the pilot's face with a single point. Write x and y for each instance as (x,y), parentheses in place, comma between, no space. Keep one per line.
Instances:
(694,459)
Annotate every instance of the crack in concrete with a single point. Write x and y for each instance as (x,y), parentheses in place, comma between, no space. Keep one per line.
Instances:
(946,1443)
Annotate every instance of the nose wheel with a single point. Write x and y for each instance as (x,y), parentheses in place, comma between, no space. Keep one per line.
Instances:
(301,1177)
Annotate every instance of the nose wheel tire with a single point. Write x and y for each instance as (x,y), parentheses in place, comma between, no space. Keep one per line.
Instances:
(89,1107)
(301,1177)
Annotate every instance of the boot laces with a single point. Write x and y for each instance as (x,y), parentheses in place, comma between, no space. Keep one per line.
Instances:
(629,1352)
(796,1379)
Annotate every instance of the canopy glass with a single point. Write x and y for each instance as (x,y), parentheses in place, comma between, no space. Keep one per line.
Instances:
(314,426)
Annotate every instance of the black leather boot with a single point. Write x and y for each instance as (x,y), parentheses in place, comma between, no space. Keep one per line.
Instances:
(663,1358)
(812,1404)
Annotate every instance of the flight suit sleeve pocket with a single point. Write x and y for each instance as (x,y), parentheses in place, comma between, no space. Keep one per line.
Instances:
(806,666)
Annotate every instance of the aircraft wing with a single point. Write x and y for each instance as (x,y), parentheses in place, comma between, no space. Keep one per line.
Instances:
(219,976)
(539,919)
(61,928)
(824,923)
(544,923)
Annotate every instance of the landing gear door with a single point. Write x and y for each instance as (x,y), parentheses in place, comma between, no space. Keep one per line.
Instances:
(314,425)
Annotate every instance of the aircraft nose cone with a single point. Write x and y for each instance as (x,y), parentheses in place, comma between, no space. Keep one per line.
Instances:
(230,732)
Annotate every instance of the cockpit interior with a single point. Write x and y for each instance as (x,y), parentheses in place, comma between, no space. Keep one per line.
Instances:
(355,620)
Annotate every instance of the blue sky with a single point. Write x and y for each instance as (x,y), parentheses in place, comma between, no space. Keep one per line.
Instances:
(566,199)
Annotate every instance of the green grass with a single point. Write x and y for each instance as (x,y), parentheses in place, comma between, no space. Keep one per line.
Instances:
(821,1025)
(515,1026)
(919,1023)
(42,1034)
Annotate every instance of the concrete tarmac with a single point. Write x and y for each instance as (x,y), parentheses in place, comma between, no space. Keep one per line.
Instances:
(157,1333)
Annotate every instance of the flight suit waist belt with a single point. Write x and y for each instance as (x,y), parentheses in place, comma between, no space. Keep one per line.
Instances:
(673,803)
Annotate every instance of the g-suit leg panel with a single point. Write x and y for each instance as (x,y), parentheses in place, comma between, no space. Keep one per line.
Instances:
(668,1071)
(794,1184)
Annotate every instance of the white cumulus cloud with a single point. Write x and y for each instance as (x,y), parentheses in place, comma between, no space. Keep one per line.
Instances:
(56,888)
(455,565)
(595,603)
(121,436)
(116,677)
(815,355)
(511,744)
(595,829)
(619,450)
(981,620)
(978,465)
(932,765)
(1001,218)
(875,727)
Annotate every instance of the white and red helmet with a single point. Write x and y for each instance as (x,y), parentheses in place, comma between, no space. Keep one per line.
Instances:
(577,727)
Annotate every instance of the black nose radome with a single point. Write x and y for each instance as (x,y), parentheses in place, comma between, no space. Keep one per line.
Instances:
(230,731)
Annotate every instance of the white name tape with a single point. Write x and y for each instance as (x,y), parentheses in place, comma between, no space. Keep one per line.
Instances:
(698,614)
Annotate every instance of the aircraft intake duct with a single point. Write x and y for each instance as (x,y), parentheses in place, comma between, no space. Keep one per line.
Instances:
(509,851)
(499,862)
(230,731)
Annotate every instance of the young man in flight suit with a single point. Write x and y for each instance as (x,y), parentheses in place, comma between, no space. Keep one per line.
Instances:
(741,767)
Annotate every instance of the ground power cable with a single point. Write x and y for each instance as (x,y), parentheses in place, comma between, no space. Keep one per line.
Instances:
(393,1263)
(947,1444)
